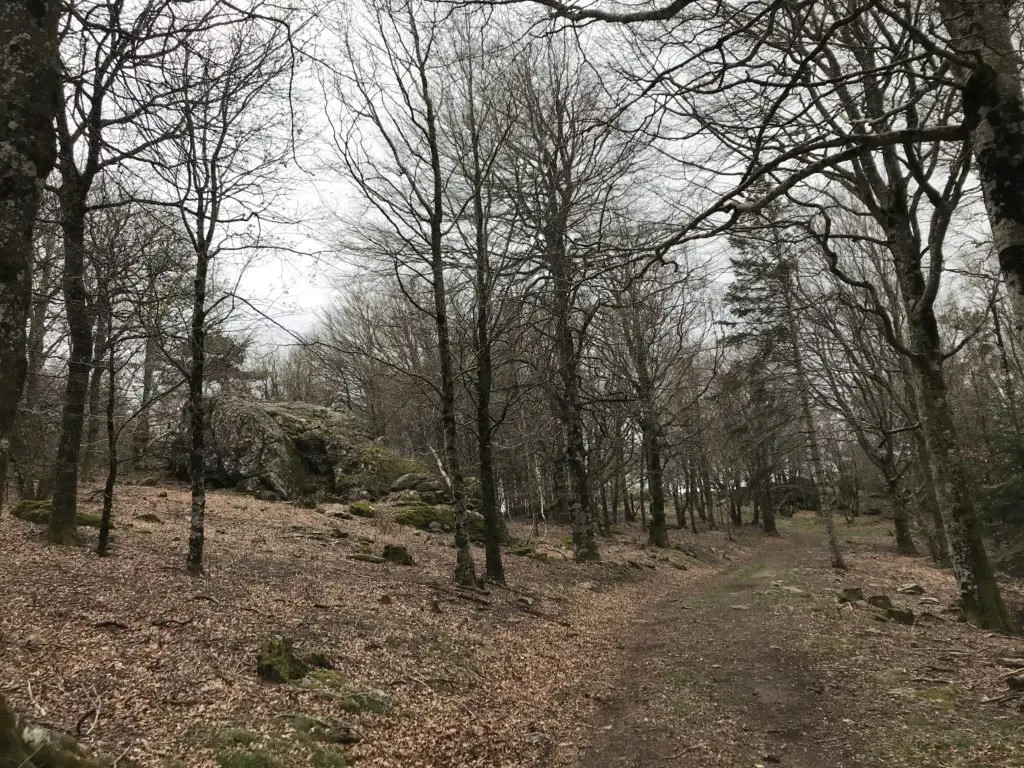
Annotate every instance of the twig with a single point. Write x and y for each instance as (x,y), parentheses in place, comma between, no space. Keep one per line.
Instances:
(97,706)
(32,698)
(118,758)
(111,624)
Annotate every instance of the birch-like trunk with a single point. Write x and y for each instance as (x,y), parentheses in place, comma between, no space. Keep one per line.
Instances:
(993,106)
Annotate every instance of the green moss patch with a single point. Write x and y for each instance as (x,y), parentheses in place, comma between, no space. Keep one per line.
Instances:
(232,737)
(362,508)
(277,662)
(330,679)
(38,511)
(312,729)
(360,702)
(248,759)
(426,516)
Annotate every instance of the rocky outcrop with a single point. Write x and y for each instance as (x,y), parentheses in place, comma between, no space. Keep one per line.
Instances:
(293,451)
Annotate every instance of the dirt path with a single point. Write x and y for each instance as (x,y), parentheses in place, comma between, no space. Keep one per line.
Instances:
(758,666)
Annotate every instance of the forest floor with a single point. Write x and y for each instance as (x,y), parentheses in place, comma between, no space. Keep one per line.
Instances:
(712,653)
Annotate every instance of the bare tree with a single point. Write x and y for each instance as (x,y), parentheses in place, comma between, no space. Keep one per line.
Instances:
(223,145)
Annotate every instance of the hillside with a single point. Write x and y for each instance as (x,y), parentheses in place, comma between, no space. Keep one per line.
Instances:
(743,656)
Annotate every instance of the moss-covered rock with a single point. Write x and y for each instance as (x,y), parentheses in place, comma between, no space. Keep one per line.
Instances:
(38,511)
(24,744)
(396,553)
(292,450)
(423,516)
(362,508)
(277,661)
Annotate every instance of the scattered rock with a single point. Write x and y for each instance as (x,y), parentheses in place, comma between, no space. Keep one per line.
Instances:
(366,557)
(1015,682)
(633,564)
(851,595)
(589,585)
(362,508)
(880,601)
(524,600)
(901,616)
(265,495)
(910,589)
(398,554)
(323,732)
(929,601)
(162,495)
(278,663)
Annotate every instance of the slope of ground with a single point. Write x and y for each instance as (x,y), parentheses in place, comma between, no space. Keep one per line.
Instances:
(761,665)
(155,668)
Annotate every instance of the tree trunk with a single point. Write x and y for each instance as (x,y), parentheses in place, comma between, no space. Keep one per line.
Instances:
(817,462)
(62,529)
(494,569)
(92,432)
(28,91)
(980,597)
(141,433)
(197,415)
(993,106)
(108,487)
(901,519)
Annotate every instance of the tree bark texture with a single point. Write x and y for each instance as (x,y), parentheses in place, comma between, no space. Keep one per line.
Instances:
(28,105)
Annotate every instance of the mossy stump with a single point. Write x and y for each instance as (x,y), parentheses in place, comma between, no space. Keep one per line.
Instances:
(277,661)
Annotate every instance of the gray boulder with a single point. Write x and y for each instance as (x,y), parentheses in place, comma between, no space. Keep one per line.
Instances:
(292,451)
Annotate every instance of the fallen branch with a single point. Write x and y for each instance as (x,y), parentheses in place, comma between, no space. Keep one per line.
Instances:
(36,704)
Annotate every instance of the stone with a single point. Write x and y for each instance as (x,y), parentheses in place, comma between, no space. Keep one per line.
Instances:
(294,450)
(277,662)
(901,616)
(588,585)
(930,601)
(525,601)
(880,601)
(910,589)
(851,595)
(397,554)
(362,508)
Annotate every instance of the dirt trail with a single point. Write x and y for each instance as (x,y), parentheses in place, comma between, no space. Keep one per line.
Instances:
(720,677)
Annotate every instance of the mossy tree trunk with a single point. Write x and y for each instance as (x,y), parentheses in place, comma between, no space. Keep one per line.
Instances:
(28,92)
